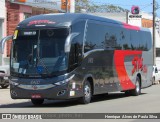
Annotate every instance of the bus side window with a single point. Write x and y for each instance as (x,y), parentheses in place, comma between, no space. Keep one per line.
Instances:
(94,37)
(74,56)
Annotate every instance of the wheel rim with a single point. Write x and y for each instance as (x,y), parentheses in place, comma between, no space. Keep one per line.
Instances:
(137,87)
(87,91)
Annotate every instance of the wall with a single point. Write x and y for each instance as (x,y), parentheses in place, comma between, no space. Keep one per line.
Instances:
(147,23)
(24,9)
(2,9)
(134,19)
(2,26)
(37,11)
(1,30)
(13,18)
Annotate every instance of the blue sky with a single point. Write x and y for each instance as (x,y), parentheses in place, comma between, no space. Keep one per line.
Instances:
(145,5)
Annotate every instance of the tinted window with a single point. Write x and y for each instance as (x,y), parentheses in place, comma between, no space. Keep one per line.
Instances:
(94,37)
(77,43)
(100,35)
(135,39)
(140,40)
(39,51)
(106,36)
(52,42)
(78,28)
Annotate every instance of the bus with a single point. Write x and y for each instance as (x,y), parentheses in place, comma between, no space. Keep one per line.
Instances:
(68,56)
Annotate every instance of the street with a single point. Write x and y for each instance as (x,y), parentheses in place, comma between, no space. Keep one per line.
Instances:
(147,102)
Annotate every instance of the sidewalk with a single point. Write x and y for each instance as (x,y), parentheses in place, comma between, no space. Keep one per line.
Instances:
(6,99)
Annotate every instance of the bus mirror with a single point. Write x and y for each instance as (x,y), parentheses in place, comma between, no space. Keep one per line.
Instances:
(2,43)
(68,42)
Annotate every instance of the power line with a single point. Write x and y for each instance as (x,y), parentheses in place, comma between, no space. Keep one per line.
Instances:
(146,6)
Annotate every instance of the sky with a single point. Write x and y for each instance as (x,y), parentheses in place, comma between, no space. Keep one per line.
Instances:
(145,5)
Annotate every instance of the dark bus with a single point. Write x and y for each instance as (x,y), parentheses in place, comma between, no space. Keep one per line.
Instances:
(65,56)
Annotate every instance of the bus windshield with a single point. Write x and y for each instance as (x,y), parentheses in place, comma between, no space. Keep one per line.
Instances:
(39,52)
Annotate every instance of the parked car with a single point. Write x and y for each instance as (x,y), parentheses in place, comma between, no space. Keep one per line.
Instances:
(4,74)
(155,75)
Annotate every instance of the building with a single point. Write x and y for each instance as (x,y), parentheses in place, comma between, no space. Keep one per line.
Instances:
(2,28)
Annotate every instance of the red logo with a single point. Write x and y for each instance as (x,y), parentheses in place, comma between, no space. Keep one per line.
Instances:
(35,22)
(138,65)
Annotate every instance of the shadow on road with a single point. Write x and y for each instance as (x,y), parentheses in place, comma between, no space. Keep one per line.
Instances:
(67,103)
(4,88)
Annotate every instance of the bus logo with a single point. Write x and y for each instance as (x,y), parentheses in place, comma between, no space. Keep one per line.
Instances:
(35,82)
(35,22)
(138,65)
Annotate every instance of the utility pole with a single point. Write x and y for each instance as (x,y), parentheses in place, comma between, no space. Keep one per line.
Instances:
(154,47)
(66,6)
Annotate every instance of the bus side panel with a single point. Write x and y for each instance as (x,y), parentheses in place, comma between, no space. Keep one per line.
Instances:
(121,65)
(147,70)
(100,65)
(129,64)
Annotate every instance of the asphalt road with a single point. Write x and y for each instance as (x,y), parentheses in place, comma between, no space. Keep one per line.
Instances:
(147,102)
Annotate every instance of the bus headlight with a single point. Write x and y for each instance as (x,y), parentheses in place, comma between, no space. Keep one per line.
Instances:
(13,83)
(63,82)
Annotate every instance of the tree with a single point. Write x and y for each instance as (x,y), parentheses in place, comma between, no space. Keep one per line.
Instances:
(81,4)
(156,7)
(91,7)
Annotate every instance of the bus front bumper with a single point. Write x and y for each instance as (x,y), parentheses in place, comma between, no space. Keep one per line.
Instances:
(43,92)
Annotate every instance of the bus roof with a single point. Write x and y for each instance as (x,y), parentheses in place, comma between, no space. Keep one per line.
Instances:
(59,20)
(66,19)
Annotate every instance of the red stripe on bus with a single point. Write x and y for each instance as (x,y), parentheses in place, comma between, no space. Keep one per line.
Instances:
(131,27)
(119,59)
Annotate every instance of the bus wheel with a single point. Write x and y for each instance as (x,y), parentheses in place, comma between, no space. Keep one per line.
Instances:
(37,101)
(137,90)
(87,91)
(127,93)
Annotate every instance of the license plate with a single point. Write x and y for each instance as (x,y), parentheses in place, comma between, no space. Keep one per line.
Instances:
(36,96)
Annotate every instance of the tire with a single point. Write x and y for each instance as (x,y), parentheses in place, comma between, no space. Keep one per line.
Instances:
(153,80)
(37,101)
(137,90)
(4,86)
(87,93)
(128,93)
